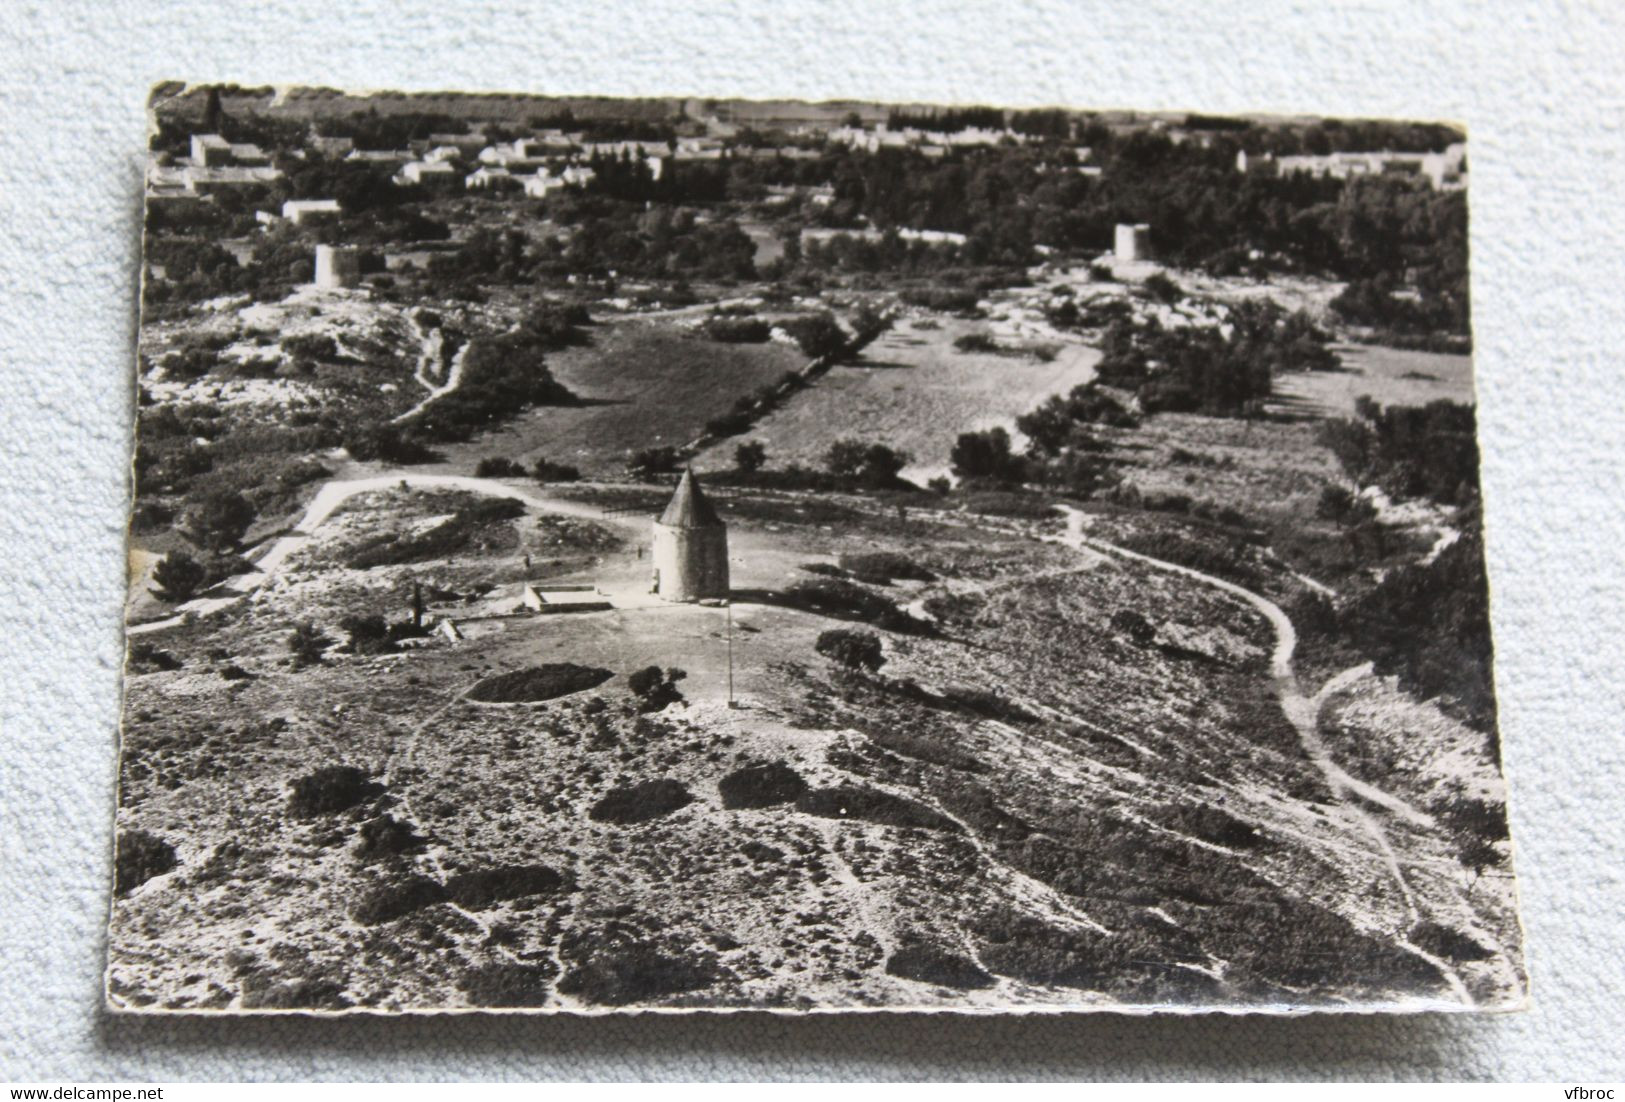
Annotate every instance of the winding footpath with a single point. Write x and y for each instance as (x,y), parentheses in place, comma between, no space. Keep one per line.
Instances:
(1303,712)
(325,504)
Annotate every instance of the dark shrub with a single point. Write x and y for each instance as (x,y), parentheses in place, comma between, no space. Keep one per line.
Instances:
(387,902)
(141,856)
(850,801)
(986,456)
(1211,824)
(307,643)
(261,992)
(849,601)
(631,971)
(331,788)
(217,520)
(950,300)
(853,649)
(928,964)
(737,330)
(1128,622)
(760,786)
(369,634)
(545,470)
(1442,941)
(485,888)
(386,837)
(538,683)
(976,342)
(750,456)
(651,462)
(310,346)
(387,445)
(146,658)
(178,576)
(496,466)
(1163,289)
(641,802)
(512,985)
(974,805)
(884,567)
(654,690)
(818,335)
(874,466)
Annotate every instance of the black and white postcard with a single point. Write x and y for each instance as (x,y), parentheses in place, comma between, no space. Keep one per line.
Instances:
(691,554)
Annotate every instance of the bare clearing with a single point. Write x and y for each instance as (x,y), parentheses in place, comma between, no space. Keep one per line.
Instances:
(914,391)
(1390,376)
(641,384)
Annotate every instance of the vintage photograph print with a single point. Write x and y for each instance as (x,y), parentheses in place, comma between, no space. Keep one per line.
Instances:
(706,555)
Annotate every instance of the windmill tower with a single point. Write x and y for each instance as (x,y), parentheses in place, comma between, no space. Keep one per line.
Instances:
(690,547)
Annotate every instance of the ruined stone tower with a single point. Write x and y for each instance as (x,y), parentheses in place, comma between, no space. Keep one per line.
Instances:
(690,547)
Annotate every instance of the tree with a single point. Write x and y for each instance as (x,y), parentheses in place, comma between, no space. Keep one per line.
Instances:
(217,520)
(653,461)
(178,576)
(818,335)
(986,455)
(872,465)
(851,648)
(307,644)
(750,456)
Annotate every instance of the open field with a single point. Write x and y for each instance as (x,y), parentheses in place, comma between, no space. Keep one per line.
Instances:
(1390,376)
(914,391)
(641,384)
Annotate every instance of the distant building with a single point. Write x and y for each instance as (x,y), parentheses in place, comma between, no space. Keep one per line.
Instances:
(213,151)
(305,212)
(1133,242)
(1445,170)
(540,185)
(210,149)
(690,547)
(338,266)
(206,180)
(391,157)
(488,176)
(429,174)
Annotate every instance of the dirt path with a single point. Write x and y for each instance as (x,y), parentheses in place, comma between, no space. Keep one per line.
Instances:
(1303,712)
(326,503)
(454,378)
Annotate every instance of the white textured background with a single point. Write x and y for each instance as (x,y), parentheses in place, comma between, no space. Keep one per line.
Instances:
(1540,86)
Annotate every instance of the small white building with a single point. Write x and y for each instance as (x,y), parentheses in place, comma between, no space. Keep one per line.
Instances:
(305,212)
(1132,242)
(338,266)
(210,149)
(428,173)
(213,151)
(488,176)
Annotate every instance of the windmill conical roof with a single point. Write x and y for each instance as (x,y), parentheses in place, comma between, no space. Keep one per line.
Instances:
(689,507)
